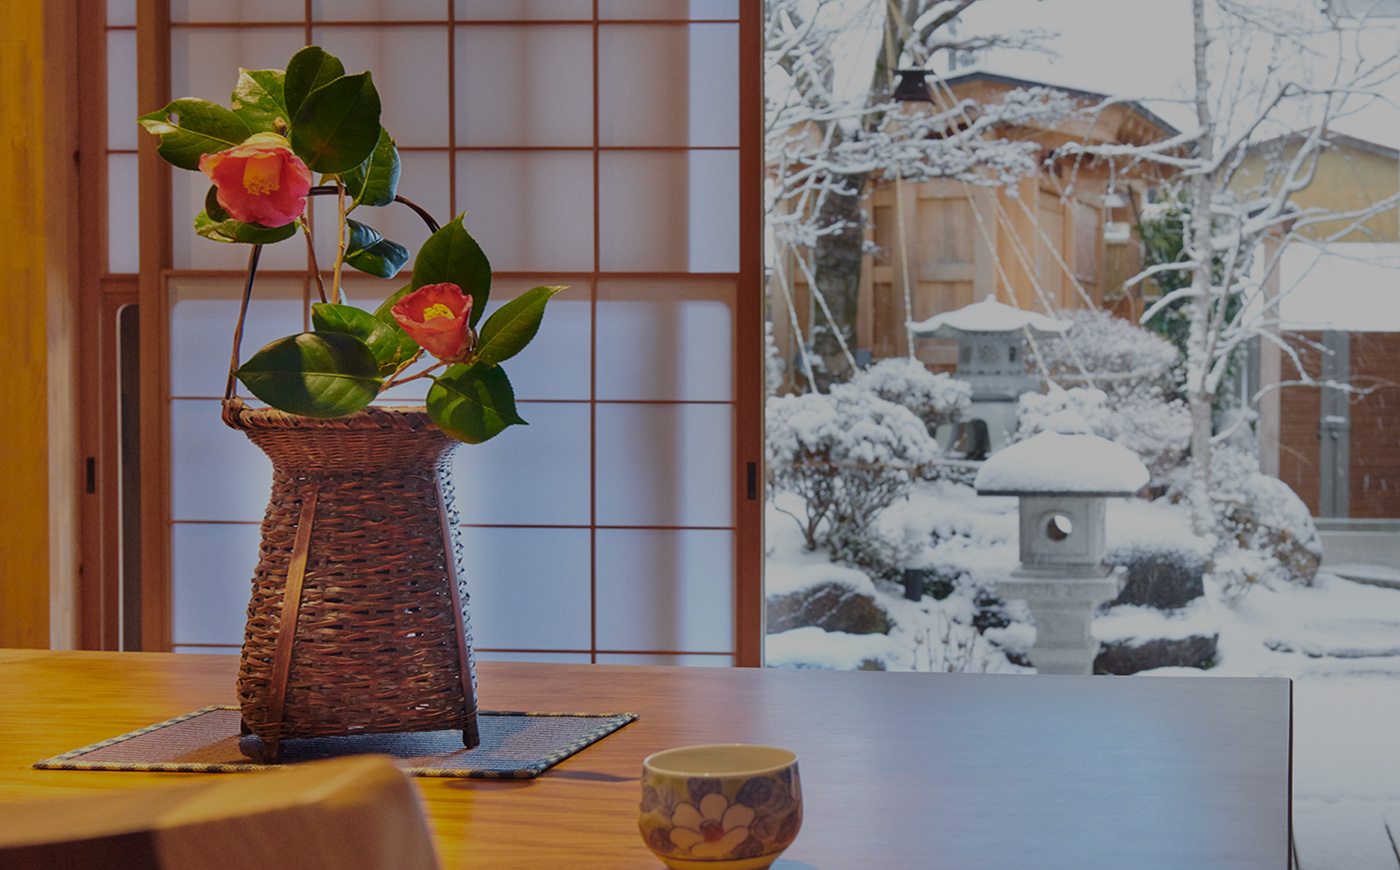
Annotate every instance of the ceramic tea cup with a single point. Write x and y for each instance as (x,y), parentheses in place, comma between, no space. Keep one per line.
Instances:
(724,806)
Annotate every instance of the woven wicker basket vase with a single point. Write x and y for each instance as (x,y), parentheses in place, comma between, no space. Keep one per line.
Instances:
(357,622)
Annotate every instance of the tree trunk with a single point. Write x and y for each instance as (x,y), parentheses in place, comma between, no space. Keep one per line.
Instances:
(1198,340)
(836,265)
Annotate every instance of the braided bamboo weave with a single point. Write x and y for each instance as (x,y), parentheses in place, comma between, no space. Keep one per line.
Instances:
(378,645)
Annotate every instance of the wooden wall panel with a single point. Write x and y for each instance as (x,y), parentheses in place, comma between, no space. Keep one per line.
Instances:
(24,496)
(1374,473)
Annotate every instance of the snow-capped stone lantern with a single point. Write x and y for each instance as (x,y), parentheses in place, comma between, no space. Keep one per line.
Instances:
(992,350)
(1063,476)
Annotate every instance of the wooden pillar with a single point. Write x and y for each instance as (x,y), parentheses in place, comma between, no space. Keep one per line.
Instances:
(37,498)
(1270,374)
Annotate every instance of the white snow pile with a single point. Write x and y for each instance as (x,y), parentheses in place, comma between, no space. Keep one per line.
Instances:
(848,425)
(1065,457)
(934,398)
(1135,528)
(810,647)
(1132,625)
(1111,350)
(1158,431)
(1265,535)
(787,578)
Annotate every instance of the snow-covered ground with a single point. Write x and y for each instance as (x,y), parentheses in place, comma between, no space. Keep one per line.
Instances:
(1338,640)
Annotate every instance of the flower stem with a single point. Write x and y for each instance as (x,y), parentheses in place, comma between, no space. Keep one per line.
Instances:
(340,245)
(427,372)
(315,268)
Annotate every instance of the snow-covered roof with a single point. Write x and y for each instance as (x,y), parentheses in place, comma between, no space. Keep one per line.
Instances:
(1065,458)
(989,315)
(975,74)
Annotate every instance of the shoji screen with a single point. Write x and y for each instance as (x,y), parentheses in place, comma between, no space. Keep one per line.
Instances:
(593,143)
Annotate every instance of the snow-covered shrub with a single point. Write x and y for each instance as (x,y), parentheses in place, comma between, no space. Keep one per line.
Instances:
(1119,379)
(848,454)
(1143,421)
(934,398)
(1265,535)
(1116,355)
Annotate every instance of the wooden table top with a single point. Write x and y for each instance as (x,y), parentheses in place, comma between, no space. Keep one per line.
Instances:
(899,770)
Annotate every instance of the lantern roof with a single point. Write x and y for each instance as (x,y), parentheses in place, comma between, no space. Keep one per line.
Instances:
(989,315)
(1065,459)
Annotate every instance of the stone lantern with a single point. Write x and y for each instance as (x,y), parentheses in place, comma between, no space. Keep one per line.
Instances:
(992,350)
(1063,476)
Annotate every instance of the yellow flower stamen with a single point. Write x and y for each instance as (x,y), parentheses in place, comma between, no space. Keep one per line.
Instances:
(436,310)
(260,175)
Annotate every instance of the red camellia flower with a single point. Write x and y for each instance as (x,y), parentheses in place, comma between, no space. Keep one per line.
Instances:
(259,180)
(435,316)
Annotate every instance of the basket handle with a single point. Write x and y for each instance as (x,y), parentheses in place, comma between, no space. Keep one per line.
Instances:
(253,257)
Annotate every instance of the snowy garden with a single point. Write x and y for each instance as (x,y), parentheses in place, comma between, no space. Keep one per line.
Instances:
(880,553)
(864,495)
(882,556)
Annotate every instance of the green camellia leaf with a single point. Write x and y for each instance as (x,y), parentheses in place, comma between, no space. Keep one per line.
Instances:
(370,252)
(513,325)
(452,256)
(337,126)
(309,69)
(391,346)
(314,374)
(473,403)
(258,100)
(376,181)
(385,310)
(215,223)
(189,128)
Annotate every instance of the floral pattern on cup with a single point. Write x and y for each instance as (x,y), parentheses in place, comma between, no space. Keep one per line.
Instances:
(694,818)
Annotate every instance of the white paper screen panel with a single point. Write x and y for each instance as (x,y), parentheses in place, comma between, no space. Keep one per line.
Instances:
(378,10)
(123,228)
(123,186)
(529,209)
(604,530)
(669,211)
(420,181)
(248,11)
(540,93)
(122,110)
(121,13)
(212,563)
(692,9)
(523,10)
(408,65)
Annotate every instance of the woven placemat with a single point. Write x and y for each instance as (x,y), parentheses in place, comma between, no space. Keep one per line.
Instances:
(514,745)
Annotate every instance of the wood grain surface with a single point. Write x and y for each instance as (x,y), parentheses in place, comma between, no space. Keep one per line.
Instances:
(900,770)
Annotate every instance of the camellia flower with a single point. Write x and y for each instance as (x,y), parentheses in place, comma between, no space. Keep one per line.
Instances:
(435,316)
(713,829)
(259,180)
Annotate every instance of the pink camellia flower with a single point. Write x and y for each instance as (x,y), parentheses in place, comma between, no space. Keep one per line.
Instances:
(259,180)
(435,316)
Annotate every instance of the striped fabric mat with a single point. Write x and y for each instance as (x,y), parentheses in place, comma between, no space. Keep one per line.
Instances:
(514,745)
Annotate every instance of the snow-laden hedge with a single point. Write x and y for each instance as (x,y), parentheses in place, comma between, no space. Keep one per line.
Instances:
(934,398)
(848,455)
(1117,376)
(1157,430)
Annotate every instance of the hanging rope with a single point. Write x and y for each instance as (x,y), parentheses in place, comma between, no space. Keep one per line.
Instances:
(784,284)
(821,303)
